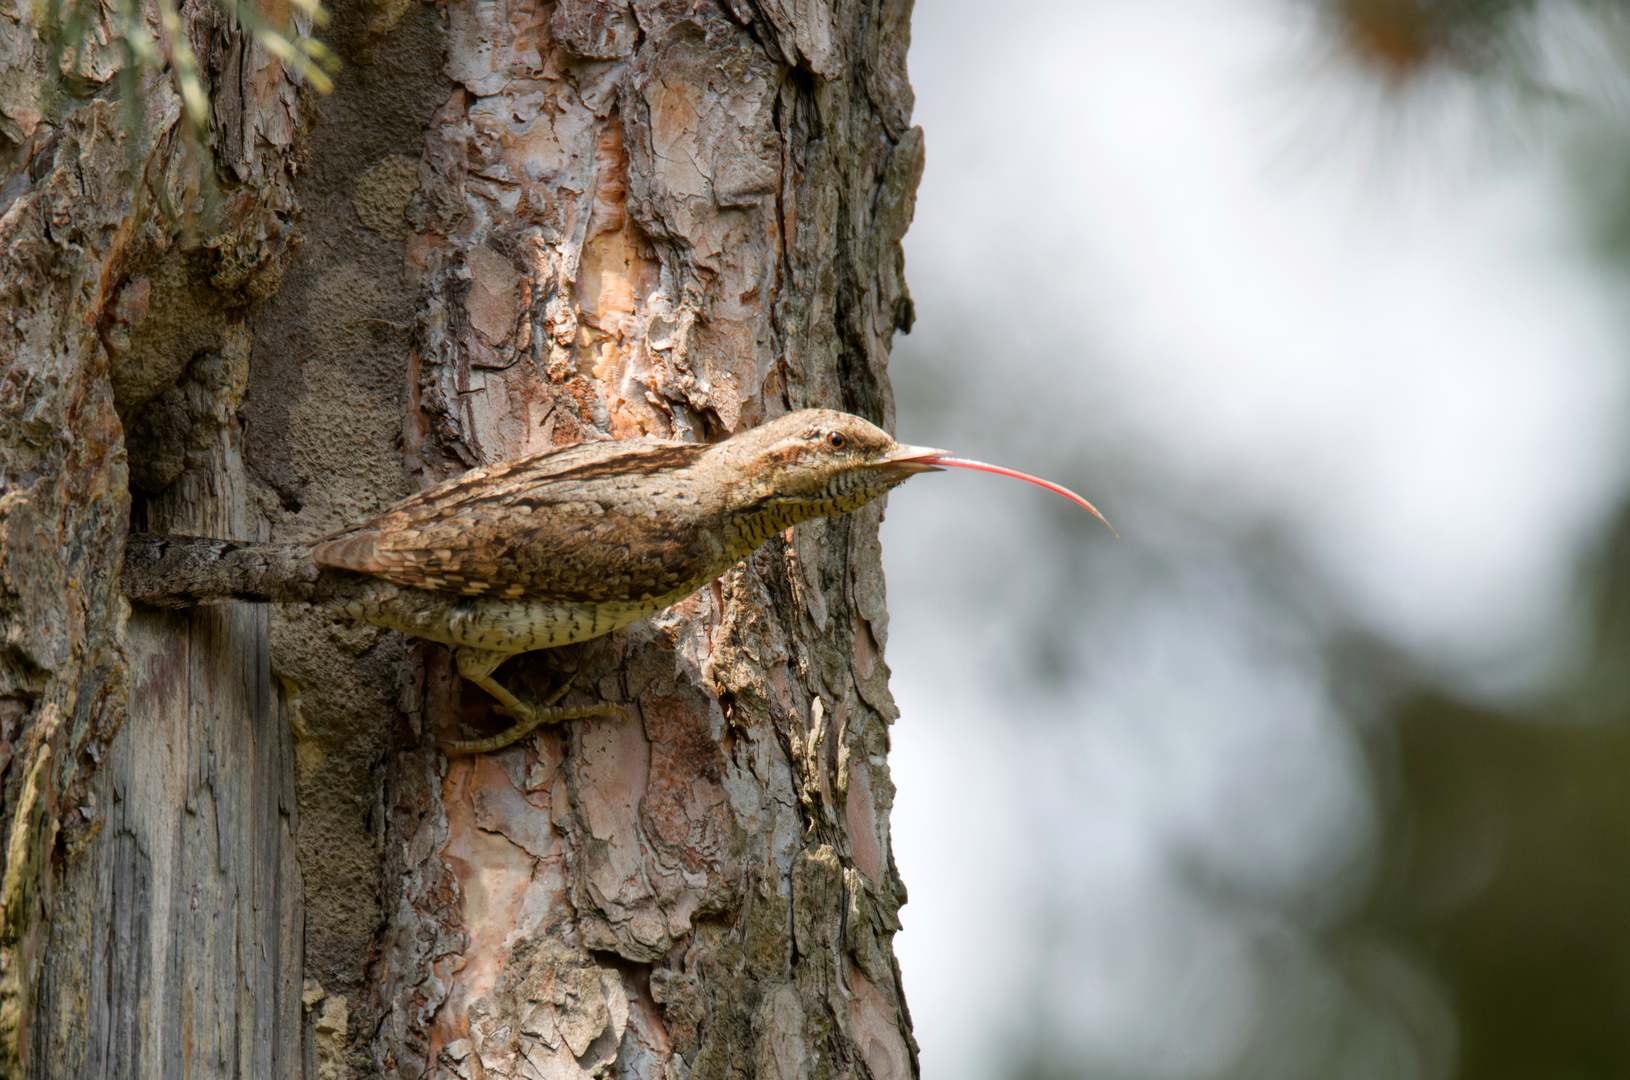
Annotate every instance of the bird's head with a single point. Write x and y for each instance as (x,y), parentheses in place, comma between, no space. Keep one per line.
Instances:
(818,463)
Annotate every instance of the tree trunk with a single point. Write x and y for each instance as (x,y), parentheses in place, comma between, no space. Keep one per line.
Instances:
(233,845)
(150,891)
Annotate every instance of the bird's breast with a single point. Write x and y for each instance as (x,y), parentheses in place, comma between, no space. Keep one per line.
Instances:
(495,623)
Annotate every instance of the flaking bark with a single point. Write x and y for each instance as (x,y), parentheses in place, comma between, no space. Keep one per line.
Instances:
(523,223)
(678,230)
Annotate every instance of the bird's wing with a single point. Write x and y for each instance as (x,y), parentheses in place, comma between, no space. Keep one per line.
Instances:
(587,523)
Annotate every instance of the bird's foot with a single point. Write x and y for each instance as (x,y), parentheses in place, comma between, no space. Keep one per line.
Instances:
(477,665)
(528,719)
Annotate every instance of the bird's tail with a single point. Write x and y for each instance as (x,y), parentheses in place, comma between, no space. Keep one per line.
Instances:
(180,571)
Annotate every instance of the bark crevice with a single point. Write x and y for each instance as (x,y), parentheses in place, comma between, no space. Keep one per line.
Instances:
(512,225)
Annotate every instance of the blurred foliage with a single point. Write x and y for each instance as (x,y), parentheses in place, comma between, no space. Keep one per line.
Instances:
(1510,877)
(1602,170)
(1503,867)
(1403,39)
(1506,869)
(1506,865)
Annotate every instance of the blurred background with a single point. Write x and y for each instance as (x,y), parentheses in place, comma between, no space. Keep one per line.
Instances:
(1323,769)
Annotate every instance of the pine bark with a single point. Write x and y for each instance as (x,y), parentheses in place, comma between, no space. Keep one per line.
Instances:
(233,846)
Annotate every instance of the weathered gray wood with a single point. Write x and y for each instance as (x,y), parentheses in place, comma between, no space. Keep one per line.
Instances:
(192,963)
(183,947)
(152,897)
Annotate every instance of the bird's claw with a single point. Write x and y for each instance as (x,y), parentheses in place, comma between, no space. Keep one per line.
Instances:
(528,719)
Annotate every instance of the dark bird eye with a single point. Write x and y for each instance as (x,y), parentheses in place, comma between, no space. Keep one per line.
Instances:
(836,440)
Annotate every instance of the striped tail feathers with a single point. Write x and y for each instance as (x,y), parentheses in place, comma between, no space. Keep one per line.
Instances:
(352,550)
(181,571)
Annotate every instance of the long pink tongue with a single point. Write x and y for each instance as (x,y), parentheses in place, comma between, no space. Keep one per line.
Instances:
(982,466)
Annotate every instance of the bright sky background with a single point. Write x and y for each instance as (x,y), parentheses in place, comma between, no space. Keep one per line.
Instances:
(1326,371)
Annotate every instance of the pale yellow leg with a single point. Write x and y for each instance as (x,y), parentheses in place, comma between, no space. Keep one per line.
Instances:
(477,665)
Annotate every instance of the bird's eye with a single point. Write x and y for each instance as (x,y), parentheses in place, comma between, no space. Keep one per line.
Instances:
(837,440)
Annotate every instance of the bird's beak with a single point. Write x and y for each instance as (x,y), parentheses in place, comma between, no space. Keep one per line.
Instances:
(911,460)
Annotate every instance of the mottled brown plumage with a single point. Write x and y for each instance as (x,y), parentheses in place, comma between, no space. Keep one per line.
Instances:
(589,523)
(555,547)
(551,548)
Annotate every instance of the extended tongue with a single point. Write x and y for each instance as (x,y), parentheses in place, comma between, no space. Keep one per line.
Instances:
(969,463)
